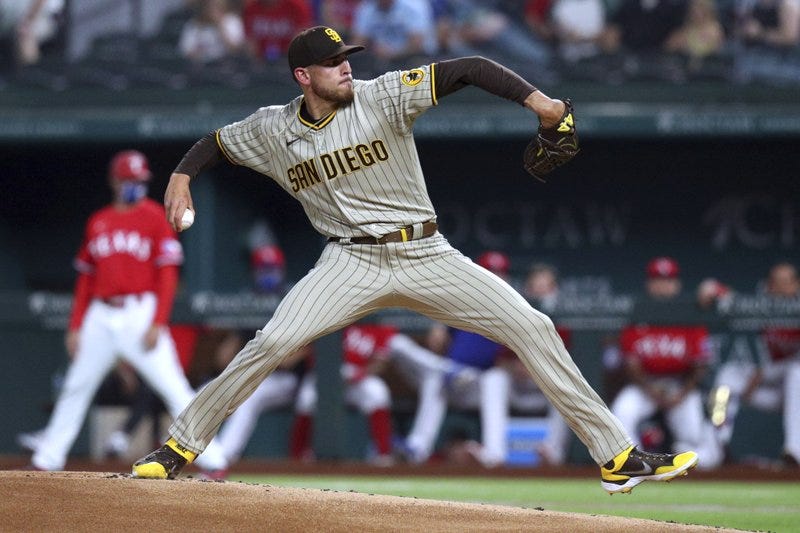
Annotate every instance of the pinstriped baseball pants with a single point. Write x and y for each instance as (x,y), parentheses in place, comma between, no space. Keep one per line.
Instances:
(427,276)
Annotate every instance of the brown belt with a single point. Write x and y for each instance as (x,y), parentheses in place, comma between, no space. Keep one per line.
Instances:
(401,235)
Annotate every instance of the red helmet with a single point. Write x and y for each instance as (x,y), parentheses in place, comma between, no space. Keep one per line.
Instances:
(663,267)
(268,255)
(130,165)
(495,261)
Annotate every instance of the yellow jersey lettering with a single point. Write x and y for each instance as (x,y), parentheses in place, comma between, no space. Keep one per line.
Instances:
(352,160)
(293,180)
(338,155)
(301,176)
(364,155)
(380,151)
(311,171)
(328,166)
(336,163)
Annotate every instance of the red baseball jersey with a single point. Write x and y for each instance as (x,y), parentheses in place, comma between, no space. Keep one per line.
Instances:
(782,343)
(363,342)
(122,250)
(273,26)
(666,349)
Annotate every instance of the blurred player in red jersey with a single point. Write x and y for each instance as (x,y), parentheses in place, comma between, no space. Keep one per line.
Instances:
(367,350)
(665,365)
(127,278)
(774,385)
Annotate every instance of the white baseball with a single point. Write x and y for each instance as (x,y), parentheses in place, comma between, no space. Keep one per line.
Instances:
(187,219)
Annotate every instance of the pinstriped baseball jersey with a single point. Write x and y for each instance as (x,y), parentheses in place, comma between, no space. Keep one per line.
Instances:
(356,172)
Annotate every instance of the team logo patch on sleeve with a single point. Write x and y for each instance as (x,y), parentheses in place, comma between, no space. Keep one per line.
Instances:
(412,77)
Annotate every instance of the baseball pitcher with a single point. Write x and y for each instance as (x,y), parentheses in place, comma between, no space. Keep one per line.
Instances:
(345,150)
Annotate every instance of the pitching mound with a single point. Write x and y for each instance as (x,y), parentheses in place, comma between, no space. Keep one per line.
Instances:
(92,501)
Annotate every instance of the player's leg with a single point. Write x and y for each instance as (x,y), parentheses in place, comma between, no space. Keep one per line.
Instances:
(428,418)
(440,282)
(631,406)
(93,361)
(277,390)
(554,446)
(428,372)
(348,282)
(495,384)
(372,397)
(685,421)
(160,367)
(690,428)
(791,411)
(433,278)
(305,404)
(730,383)
(423,360)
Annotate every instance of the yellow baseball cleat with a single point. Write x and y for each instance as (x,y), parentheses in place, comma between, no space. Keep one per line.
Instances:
(633,466)
(164,463)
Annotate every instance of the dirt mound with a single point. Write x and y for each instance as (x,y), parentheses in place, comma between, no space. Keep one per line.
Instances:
(96,501)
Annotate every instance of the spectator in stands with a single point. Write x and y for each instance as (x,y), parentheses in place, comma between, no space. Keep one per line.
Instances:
(701,35)
(537,18)
(338,14)
(396,31)
(713,293)
(774,23)
(481,28)
(578,27)
(665,365)
(643,26)
(770,385)
(663,279)
(213,33)
(269,25)
(541,286)
(26,26)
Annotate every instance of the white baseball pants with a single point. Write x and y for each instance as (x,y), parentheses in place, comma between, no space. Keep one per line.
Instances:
(108,333)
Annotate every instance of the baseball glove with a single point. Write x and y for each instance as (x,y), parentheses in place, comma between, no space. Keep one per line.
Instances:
(552,147)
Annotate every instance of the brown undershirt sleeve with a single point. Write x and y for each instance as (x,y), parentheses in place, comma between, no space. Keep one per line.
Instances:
(455,74)
(204,154)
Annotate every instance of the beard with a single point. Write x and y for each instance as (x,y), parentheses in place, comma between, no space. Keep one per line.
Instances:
(340,95)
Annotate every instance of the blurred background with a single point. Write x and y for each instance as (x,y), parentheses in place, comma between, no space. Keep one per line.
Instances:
(689,118)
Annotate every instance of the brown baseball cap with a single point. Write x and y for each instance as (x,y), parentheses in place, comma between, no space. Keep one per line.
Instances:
(315,45)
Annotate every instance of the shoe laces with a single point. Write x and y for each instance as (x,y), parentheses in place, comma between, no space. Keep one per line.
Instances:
(650,457)
(166,457)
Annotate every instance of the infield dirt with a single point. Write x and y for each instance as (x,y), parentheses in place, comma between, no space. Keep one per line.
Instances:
(101,501)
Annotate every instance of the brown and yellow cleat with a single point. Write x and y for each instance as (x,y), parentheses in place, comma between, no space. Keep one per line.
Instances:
(633,466)
(164,463)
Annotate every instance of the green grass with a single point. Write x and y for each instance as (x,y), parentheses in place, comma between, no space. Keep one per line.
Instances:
(739,505)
